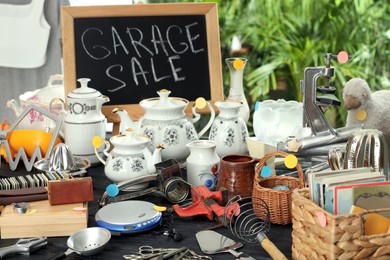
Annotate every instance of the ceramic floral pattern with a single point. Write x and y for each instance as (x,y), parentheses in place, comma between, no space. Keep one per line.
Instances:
(190,133)
(117,165)
(213,132)
(171,136)
(163,124)
(244,133)
(229,137)
(150,133)
(136,166)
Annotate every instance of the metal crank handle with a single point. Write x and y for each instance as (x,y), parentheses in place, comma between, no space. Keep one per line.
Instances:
(271,249)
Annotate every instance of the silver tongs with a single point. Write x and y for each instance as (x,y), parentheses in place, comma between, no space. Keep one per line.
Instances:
(24,246)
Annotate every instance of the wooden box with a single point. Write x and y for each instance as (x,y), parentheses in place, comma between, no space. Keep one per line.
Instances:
(49,221)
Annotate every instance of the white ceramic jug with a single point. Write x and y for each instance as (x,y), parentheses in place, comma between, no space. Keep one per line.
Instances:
(229,130)
(202,164)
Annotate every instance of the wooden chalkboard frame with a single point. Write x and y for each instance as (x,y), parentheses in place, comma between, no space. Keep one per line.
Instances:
(209,10)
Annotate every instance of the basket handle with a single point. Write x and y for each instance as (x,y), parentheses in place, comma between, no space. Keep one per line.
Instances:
(263,162)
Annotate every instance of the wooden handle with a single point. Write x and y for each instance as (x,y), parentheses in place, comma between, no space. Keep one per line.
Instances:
(272,250)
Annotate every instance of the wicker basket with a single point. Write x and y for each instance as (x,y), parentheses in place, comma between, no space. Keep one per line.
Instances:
(278,201)
(341,238)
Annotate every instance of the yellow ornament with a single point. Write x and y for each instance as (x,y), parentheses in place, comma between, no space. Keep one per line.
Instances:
(290,161)
(97,141)
(200,103)
(160,208)
(361,115)
(238,64)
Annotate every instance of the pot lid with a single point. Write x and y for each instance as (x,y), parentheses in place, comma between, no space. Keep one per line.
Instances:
(164,101)
(130,138)
(84,91)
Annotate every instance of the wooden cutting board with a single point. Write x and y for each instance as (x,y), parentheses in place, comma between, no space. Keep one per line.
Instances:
(49,221)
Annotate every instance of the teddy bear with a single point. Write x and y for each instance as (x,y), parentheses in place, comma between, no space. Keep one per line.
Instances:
(369,109)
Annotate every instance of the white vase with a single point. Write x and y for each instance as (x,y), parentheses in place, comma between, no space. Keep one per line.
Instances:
(236,91)
(202,164)
(229,130)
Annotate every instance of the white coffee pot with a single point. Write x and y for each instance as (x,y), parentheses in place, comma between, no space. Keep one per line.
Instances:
(165,122)
(84,120)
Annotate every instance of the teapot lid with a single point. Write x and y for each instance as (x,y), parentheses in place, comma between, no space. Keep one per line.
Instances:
(164,101)
(84,91)
(130,138)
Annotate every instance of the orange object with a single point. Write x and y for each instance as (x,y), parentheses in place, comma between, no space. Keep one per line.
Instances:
(4,125)
(28,139)
(375,223)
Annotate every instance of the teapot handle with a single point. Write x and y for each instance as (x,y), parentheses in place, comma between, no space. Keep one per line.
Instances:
(97,143)
(55,77)
(56,101)
(197,116)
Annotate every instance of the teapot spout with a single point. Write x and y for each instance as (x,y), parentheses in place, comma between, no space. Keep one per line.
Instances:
(101,100)
(156,157)
(126,121)
(13,104)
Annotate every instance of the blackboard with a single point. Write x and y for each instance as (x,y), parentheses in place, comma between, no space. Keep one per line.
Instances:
(132,51)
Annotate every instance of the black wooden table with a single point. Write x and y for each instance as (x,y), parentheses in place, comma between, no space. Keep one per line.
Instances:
(120,245)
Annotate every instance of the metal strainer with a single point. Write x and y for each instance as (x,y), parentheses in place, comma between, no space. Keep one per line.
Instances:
(86,242)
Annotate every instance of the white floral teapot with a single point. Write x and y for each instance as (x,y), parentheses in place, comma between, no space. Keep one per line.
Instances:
(130,157)
(165,121)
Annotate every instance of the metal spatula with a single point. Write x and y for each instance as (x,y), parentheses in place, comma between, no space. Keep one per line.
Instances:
(212,242)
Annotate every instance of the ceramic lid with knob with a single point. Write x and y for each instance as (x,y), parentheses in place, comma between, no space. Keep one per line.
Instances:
(84,91)
(164,101)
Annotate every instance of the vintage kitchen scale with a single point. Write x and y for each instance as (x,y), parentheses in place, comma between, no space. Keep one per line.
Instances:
(132,216)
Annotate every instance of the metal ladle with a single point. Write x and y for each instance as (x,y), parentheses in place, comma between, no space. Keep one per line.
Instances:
(86,242)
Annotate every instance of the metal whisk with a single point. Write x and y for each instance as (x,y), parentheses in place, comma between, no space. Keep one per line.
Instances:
(250,222)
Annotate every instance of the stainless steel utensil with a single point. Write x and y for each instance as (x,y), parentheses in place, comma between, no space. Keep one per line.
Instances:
(212,242)
(24,246)
(86,242)
(62,161)
(250,222)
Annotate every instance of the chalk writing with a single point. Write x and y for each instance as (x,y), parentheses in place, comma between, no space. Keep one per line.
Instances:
(140,71)
(148,53)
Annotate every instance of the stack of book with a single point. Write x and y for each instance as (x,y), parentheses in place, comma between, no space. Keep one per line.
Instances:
(347,191)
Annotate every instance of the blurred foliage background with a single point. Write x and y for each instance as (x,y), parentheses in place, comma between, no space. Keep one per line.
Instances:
(280,38)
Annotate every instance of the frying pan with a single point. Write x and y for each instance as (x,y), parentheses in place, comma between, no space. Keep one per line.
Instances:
(86,242)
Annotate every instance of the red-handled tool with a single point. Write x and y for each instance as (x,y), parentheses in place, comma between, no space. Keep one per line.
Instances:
(205,203)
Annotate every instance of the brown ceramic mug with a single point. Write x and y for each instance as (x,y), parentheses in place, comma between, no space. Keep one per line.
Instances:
(236,174)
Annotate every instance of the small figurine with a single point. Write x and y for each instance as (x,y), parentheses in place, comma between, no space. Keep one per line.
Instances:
(366,108)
